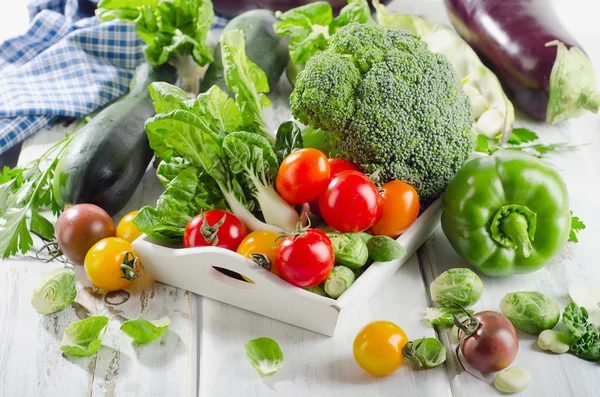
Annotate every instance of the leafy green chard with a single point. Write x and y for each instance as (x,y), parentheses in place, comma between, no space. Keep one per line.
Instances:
(56,291)
(530,311)
(224,139)
(174,31)
(311,25)
(144,331)
(24,193)
(188,193)
(251,158)
(265,355)
(459,285)
(288,139)
(84,338)
(425,352)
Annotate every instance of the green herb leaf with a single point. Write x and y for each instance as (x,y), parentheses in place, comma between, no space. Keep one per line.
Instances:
(521,135)
(265,355)
(84,338)
(576,226)
(143,331)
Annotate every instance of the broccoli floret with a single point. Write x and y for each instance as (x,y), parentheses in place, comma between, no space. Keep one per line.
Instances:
(389,105)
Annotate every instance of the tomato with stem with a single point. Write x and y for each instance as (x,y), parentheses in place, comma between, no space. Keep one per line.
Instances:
(112,264)
(259,245)
(303,175)
(399,210)
(351,202)
(305,258)
(214,228)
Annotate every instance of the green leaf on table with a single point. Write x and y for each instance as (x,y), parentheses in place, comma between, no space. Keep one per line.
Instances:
(144,331)
(265,355)
(576,319)
(586,339)
(576,226)
(84,338)
(519,136)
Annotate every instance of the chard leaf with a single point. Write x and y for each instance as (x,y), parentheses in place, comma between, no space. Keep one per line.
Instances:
(144,331)
(356,11)
(247,81)
(308,27)
(84,338)
(288,139)
(265,355)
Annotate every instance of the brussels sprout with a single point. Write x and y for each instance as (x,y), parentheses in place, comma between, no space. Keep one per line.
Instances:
(55,292)
(317,289)
(384,249)
(461,286)
(426,352)
(338,281)
(349,249)
(530,311)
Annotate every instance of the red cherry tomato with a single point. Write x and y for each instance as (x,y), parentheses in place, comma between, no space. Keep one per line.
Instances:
(305,260)
(493,346)
(214,228)
(336,166)
(351,202)
(400,209)
(303,176)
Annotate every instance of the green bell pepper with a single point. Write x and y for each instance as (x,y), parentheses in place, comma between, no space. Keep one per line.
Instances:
(507,213)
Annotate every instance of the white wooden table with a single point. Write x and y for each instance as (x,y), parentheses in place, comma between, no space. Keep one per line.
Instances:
(202,353)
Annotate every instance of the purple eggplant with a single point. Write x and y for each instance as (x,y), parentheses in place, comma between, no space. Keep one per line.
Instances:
(541,66)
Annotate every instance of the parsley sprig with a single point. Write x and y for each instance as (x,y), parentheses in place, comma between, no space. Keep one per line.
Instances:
(24,193)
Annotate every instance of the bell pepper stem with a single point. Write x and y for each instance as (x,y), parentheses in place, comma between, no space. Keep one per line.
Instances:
(515,227)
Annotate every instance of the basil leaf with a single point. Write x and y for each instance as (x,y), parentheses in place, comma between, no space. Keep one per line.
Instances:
(84,338)
(144,331)
(265,355)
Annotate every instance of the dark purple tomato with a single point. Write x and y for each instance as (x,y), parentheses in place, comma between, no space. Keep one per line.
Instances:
(493,346)
(81,226)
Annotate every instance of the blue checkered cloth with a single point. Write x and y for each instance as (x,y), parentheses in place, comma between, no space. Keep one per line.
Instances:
(67,64)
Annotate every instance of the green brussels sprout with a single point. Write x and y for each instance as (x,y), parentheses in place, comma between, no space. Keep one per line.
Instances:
(530,311)
(349,249)
(55,292)
(426,352)
(461,286)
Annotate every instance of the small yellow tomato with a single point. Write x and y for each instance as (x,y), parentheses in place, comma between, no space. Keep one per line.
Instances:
(126,229)
(378,347)
(103,264)
(261,242)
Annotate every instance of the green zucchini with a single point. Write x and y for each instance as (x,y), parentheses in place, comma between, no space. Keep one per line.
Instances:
(263,47)
(106,161)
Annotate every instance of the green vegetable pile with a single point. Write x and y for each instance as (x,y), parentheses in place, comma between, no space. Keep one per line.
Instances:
(389,105)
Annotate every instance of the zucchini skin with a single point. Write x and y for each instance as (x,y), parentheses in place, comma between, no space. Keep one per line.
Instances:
(263,47)
(106,161)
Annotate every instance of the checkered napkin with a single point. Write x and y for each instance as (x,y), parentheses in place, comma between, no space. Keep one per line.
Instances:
(66,65)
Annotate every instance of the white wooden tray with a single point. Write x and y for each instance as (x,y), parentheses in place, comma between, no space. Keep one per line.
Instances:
(193,269)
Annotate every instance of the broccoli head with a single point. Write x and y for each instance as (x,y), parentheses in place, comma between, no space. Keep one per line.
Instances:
(389,105)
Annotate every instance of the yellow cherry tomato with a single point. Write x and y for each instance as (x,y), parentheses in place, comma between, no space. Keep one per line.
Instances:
(378,347)
(103,264)
(261,242)
(126,229)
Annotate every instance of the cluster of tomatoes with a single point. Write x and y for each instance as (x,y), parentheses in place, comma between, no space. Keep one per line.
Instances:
(86,235)
(335,191)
